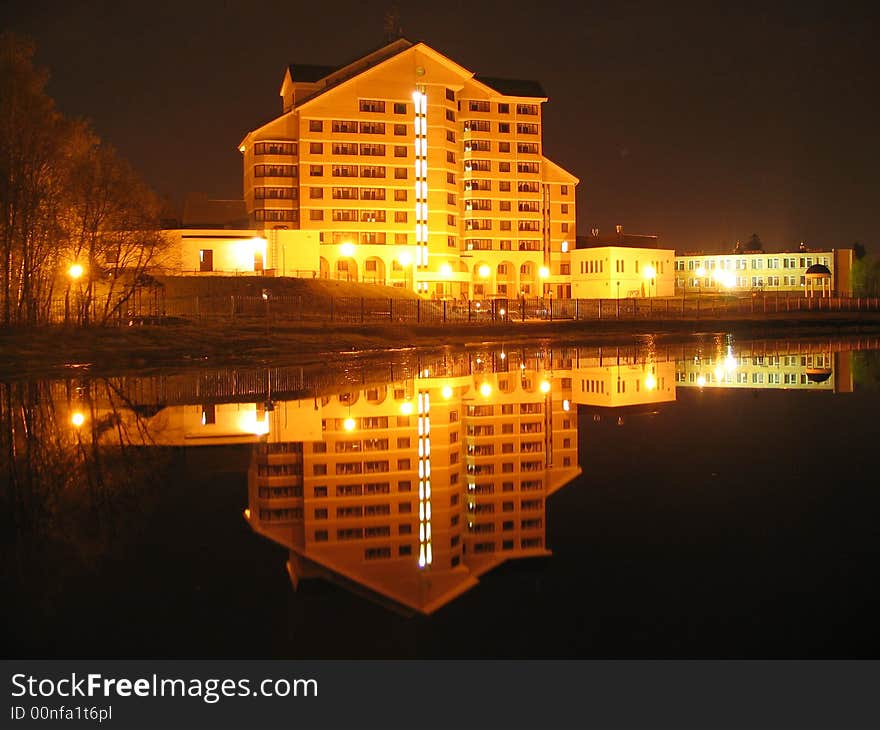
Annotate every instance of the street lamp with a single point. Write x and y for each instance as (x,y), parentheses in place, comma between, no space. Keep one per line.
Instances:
(74,273)
(347,250)
(543,274)
(650,275)
(405,260)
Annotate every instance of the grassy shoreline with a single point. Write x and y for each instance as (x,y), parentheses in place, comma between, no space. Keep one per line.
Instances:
(56,351)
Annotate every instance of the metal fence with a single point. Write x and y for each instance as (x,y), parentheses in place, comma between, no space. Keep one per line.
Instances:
(374,310)
(370,310)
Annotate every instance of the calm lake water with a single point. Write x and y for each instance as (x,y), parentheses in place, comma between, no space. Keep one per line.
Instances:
(707,499)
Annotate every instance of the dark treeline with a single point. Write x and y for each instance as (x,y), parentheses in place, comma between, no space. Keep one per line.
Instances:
(77,226)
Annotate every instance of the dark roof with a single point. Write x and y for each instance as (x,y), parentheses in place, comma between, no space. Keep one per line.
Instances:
(818,270)
(199,212)
(309,73)
(513,87)
(623,240)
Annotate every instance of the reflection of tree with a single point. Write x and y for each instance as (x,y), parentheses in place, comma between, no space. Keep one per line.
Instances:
(71,495)
(866,369)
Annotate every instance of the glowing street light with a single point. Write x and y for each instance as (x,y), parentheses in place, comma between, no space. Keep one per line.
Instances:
(484,271)
(650,275)
(544,386)
(75,271)
(347,249)
(485,390)
(349,423)
(446,392)
(77,419)
(650,381)
(543,272)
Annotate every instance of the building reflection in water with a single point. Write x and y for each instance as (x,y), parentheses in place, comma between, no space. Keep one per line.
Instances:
(408,491)
(412,490)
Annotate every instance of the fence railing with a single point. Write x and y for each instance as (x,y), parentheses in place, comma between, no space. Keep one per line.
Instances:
(374,310)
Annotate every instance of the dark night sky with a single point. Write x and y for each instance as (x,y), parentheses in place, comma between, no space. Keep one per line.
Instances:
(702,124)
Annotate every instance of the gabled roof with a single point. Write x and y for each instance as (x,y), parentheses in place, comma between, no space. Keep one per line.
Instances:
(514,87)
(309,73)
(331,76)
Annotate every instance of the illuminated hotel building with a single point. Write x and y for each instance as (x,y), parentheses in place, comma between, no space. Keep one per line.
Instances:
(414,172)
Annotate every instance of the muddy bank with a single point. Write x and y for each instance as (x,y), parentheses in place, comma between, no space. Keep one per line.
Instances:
(56,351)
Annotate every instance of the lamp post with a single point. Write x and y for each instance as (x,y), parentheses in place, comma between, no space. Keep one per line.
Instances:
(483,272)
(543,274)
(650,275)
(347,250)
(405,260)
(74,273)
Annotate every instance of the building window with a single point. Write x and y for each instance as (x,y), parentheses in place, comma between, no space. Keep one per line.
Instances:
(274,171)
(399,107)
(373,150)
(450,115)
(504,108)
(316,215)
(564,190)
(316,125)
(400,130)
(274,148)
(400,195)
(399,150)
(400,173)
(377,107)
(316,148)
(400,216)
(504,167)
(316,193)
(342,126)
(504,146)
(345,148)
(316,170)
(478,106)
(450,94)
(503,127)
